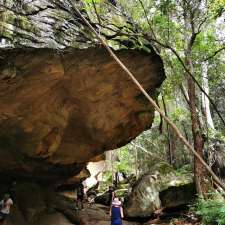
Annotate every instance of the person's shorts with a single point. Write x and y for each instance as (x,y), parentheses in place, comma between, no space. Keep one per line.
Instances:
(3,216)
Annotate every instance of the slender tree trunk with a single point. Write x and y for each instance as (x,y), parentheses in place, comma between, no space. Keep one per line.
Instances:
(161,119)
(112,165)
(136,163)
(185,131)
(178,133)
(205,100)
(169,154)
(173,140)
(199,170)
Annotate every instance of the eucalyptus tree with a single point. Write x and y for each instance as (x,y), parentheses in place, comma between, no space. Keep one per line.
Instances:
(175,30)
(178,29)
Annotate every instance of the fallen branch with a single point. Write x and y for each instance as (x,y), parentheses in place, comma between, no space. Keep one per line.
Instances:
(176,130)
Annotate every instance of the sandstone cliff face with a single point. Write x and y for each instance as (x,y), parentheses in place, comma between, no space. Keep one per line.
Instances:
(59,109)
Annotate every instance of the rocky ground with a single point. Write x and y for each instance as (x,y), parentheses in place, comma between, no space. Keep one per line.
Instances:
(98,214)
(61,211)
(152,201)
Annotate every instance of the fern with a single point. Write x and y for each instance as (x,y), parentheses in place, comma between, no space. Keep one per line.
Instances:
(212,211)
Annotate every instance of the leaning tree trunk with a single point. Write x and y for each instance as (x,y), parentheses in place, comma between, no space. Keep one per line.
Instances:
(139,86)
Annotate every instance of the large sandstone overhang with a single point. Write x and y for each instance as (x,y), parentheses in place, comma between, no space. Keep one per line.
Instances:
(61,108)
(65,108)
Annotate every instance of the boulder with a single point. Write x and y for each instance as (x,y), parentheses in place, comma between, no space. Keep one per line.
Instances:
(160,188)
(54,219)
(63,99)
(103,199)
(61,110)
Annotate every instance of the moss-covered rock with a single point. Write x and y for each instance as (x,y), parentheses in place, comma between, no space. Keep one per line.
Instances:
(161,187)
(53,24)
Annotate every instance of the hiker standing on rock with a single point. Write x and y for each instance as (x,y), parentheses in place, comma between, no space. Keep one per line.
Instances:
(111,194)
(116,212)
(5,206)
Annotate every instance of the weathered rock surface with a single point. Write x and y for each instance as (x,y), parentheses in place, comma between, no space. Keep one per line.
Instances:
(54,24)
(54,219)
(104,199)
(59,109)
(161,188)
(62,109)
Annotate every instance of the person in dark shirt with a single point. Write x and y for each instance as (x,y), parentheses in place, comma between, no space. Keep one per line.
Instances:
(12,191)
(80,195)
(111,194)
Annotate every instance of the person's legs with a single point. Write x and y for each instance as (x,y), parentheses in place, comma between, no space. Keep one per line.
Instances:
(81,197)
(80,202)
(118,222)
(76,203)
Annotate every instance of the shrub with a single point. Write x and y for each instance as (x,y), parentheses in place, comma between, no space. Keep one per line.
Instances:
(212,211)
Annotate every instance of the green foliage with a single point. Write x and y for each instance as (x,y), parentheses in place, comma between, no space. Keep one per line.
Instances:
(125,160)
(91,1)
(164,21)
(106,181)
(107,176)
(216,135)
(212,211)
(186,169)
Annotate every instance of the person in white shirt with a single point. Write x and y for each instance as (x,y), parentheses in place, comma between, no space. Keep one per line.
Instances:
(5,206)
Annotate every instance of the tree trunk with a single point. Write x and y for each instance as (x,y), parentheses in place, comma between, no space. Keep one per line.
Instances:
(169,154)
(205,100)
(136,162)
(173,141)
(112,165)
(199,170)
(178,133)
